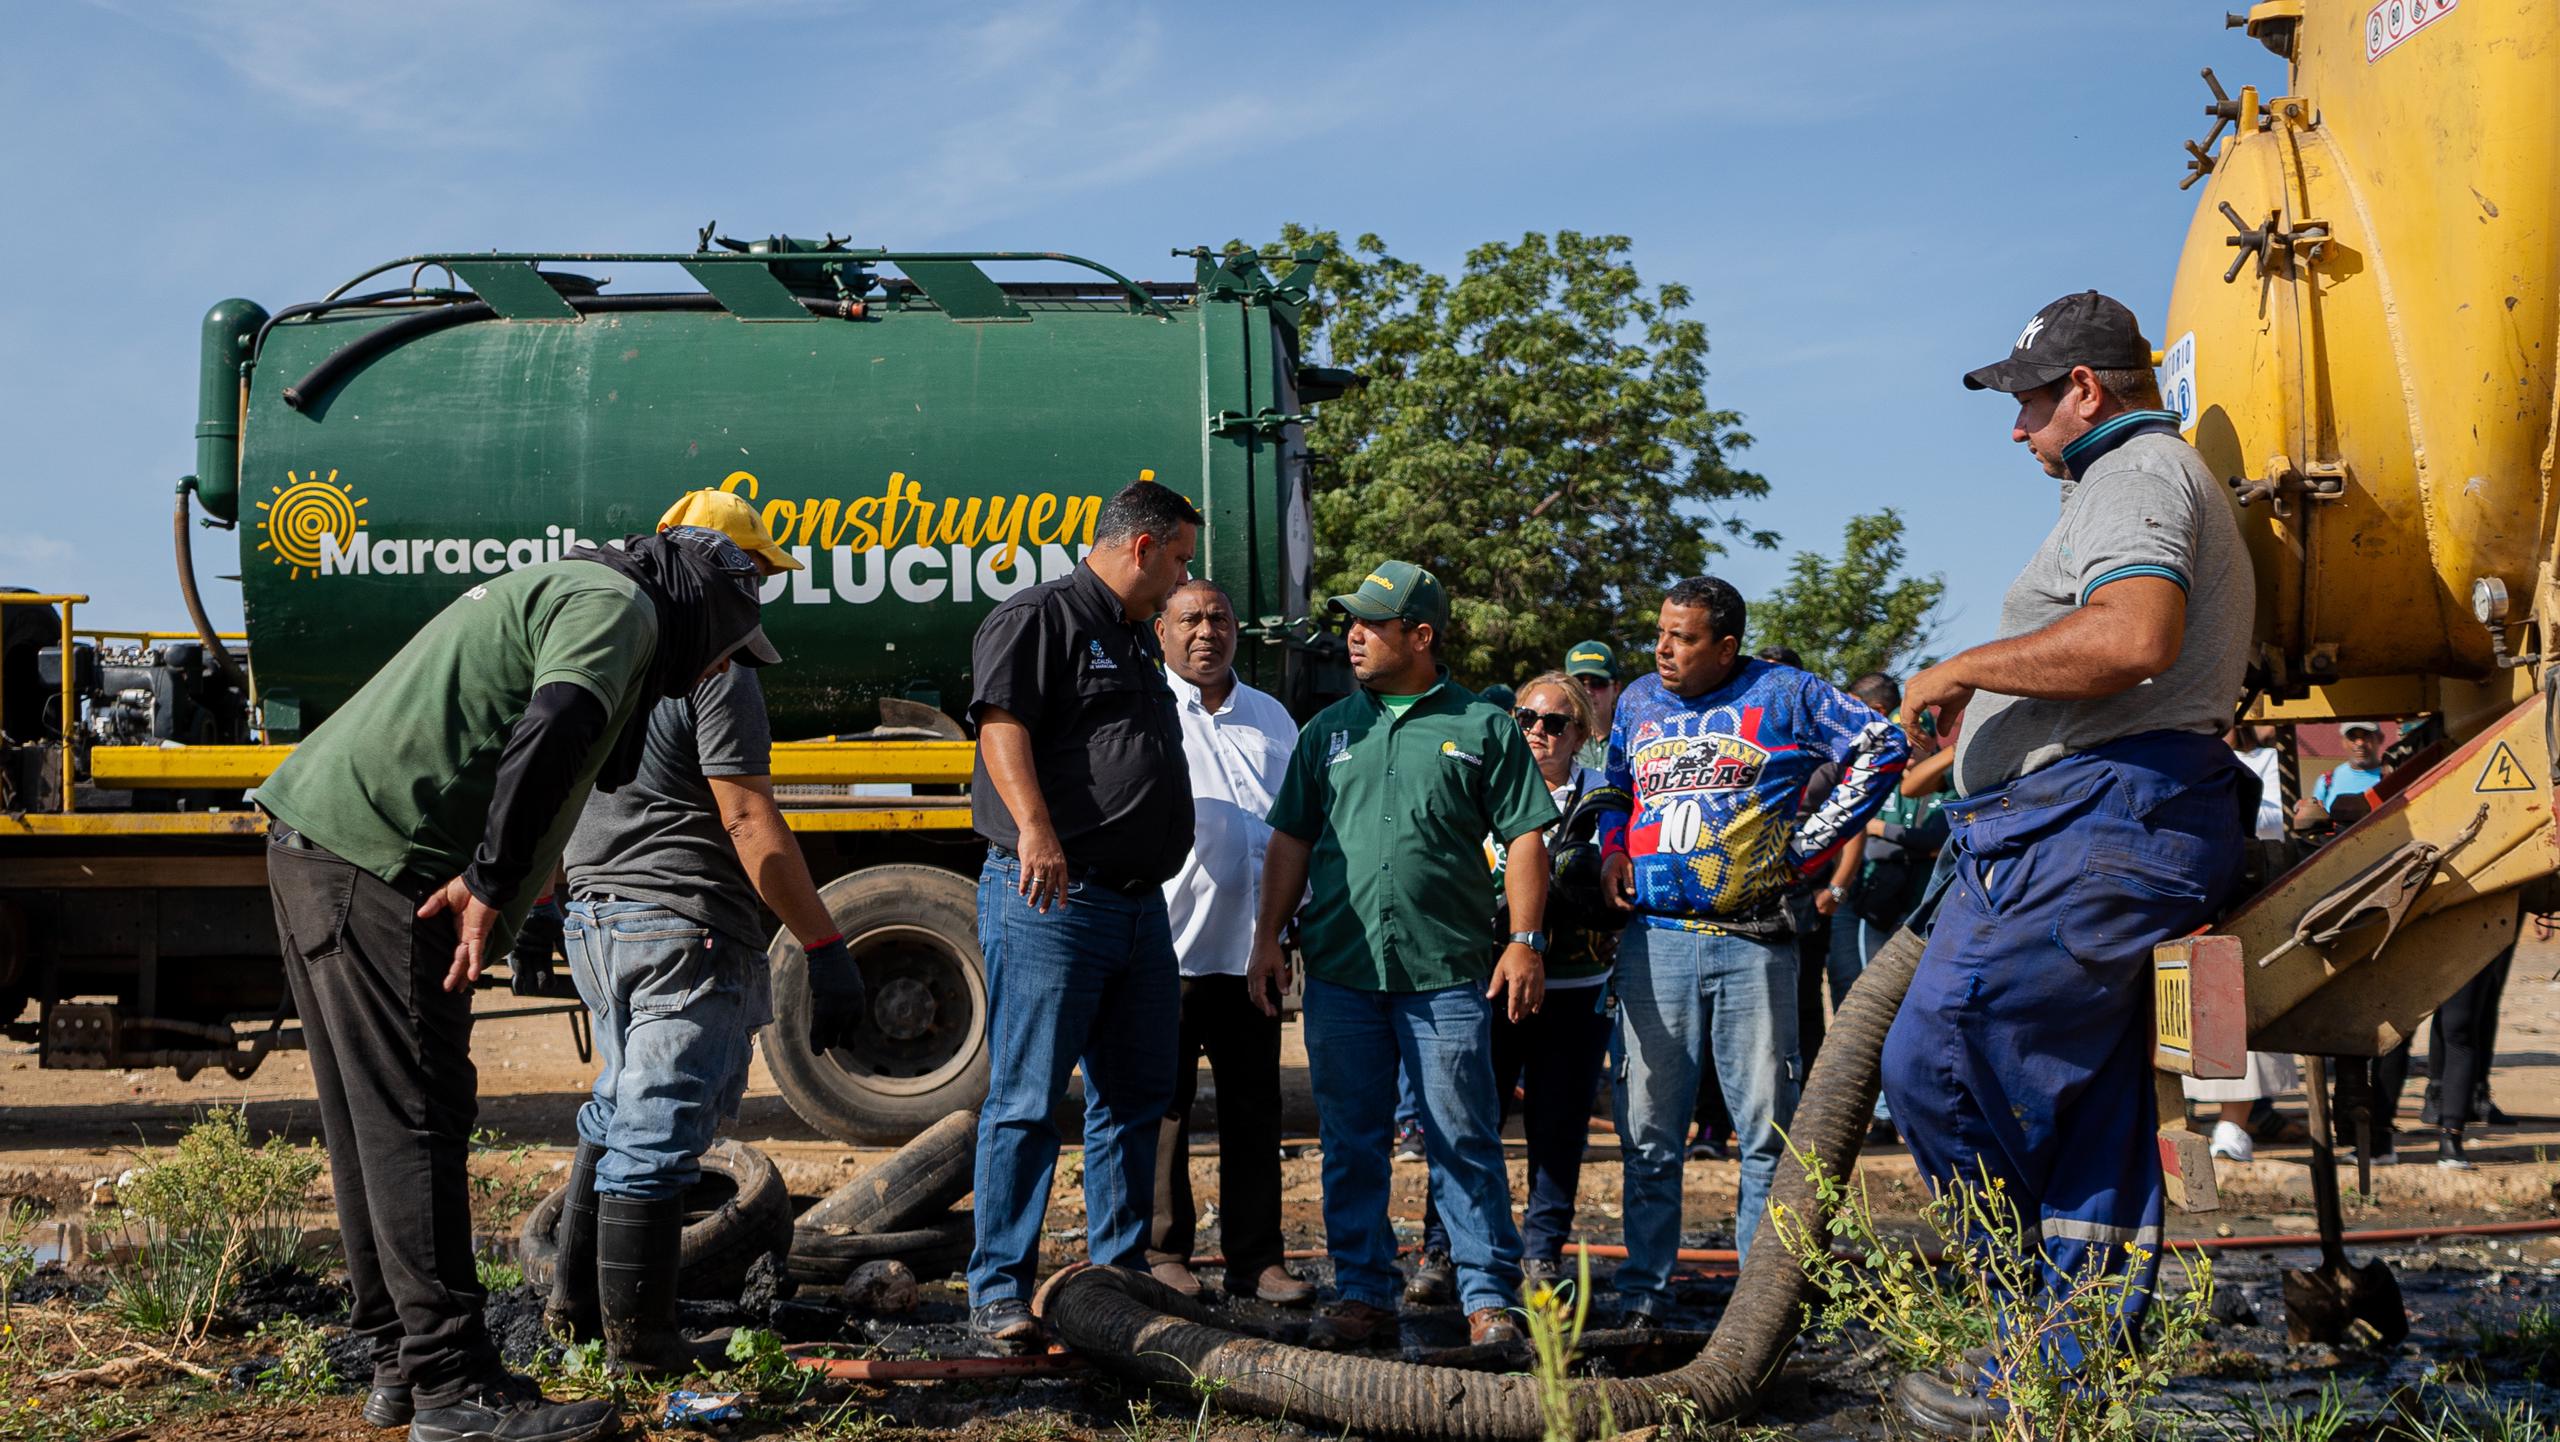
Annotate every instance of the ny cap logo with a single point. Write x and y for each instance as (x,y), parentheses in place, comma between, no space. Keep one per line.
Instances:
(2027,337)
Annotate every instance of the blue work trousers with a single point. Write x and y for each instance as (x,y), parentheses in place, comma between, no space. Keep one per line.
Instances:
(1676,990)
(1444,1040)
(1093,981)
(676,1007)
(2022,1054)
(1553,1057)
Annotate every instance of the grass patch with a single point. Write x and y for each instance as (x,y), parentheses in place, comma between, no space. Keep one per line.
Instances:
(199,1215)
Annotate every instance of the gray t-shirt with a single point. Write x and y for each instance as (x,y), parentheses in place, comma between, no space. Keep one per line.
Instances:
(2149,507)
(660,838)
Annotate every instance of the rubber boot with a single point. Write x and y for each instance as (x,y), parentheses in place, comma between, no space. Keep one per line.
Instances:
(572,1310)
(639,1247)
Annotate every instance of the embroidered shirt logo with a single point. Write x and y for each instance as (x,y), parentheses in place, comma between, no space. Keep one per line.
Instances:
(1097,661)
(1450,748)
(1338,749)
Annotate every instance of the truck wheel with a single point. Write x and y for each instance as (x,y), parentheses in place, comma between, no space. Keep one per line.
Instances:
(922,1051)
(736,1211)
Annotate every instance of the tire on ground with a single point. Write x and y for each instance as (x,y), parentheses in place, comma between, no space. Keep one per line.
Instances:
(921,1052)
(738,1211)
(826,1258)
(908,1188)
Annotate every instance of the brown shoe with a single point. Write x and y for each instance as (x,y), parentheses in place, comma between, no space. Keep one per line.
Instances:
(1488,1325)
(1275,1284)
(1176,1276)
(1347,1325)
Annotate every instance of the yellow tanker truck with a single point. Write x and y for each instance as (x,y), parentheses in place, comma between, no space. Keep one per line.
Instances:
(2360,340)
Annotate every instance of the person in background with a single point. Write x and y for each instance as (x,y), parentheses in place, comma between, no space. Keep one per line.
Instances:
(2464,1042)
(410,833)
(2358,774)
(1500,696)
(1552,1056)
(1083,797)
(1712,750)
(1593,665)
(1235,742)
(666,947)
(1386,804)
(2270,1074)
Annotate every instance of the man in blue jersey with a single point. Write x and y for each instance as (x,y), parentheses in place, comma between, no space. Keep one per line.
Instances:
(2097,813)
(1715,748)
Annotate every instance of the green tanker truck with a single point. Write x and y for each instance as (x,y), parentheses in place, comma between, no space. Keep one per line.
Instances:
(927,432)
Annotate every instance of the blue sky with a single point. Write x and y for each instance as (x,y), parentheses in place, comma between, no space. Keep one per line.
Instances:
(1866,199)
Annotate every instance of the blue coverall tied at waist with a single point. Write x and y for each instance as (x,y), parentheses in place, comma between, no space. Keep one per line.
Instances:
(2023,1051)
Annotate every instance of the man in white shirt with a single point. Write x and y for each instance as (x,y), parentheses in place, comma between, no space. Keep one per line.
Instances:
(1236,742)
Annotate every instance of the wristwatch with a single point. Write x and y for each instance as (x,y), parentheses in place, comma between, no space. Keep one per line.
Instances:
(1838,892)
(1534,940)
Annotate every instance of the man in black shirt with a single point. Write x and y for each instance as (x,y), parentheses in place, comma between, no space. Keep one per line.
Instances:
(1083,797)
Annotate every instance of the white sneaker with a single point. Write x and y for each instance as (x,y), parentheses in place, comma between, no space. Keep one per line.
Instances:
(2232,1143)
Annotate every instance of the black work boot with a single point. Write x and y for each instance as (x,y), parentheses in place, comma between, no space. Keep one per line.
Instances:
(639,1246)
(510,1409)
(572,1310)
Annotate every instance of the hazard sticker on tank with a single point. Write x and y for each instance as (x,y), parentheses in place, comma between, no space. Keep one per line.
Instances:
(2504,772)
(2392,21)
(2178,380)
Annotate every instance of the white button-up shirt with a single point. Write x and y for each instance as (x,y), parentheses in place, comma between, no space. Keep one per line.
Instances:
(1237,755)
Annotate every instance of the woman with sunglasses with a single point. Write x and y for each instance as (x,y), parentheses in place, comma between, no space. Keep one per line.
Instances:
(1552,1055)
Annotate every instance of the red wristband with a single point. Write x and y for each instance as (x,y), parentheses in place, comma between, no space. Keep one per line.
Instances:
(822,941)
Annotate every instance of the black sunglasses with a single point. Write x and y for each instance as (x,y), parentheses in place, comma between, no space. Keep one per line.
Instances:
(1551,722)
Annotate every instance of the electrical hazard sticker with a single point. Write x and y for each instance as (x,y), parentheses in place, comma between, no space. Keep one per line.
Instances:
(2504,772)
(2392,21)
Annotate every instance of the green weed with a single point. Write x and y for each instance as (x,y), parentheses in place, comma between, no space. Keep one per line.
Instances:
(303,1370)
(579,1370)
(2529,1346)
(497,1274)
(1927,1316)
(17,1254)
(1556,1316)
(2264,1417)
(2435,1412)
(199,1215)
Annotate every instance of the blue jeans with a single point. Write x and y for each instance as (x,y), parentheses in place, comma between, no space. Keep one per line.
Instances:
(1668,982)
(1444,1040)
(1093,981)
(2023,1052)
(676,1008)
(1553,1056)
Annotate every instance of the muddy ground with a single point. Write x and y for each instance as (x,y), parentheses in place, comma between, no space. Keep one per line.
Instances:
(63,1133)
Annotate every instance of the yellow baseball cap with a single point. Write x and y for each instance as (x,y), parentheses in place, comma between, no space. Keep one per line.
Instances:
(730,515)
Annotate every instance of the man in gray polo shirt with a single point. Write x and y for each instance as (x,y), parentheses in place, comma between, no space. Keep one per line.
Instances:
(2099,813)
(665,941)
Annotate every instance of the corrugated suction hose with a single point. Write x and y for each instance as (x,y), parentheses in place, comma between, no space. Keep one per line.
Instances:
(1134,1326)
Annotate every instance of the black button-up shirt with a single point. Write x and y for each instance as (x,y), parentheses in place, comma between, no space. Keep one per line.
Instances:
(1106,740)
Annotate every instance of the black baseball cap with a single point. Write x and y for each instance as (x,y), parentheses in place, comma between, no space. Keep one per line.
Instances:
(2086,329)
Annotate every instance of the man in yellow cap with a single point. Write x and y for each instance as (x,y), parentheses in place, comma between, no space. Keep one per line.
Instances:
(665,942)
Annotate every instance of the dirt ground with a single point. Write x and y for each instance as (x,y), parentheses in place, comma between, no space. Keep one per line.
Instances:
(61,1133)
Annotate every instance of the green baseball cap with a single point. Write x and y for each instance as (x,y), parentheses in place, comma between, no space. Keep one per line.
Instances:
(1591,658)
(1398,591)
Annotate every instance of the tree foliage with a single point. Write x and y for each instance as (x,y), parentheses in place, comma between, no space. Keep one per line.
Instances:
(1856,614)
(1535,430)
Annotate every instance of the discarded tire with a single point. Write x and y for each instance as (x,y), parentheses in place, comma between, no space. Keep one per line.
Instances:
(1133,1325)
(909,1188)
(826,1259)
(921,1050)
(737,1211)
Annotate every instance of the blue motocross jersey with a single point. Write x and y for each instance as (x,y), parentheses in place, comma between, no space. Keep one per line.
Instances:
(1718,780)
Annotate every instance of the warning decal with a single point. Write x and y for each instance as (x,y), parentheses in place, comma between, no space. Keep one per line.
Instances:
(2392,21)
(2504,772)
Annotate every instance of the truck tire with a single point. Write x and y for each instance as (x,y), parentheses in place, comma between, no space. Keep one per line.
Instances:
(737,1211)
(921,1053)
(910,1187)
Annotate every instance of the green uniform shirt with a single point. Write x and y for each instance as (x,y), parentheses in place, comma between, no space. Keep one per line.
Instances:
(1397,809)
(399,779)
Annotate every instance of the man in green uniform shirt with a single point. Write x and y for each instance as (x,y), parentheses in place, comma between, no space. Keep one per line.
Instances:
(411,833)
(1389,796)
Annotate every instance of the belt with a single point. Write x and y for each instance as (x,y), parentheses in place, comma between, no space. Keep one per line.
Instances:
(1084,875)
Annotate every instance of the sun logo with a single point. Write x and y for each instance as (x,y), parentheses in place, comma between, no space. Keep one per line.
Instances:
(305,512)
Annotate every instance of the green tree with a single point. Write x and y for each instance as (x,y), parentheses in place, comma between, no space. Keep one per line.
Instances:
(1856,614)
(1534,430)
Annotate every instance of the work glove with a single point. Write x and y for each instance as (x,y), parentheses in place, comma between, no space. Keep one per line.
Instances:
(530,971)
(836,995)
